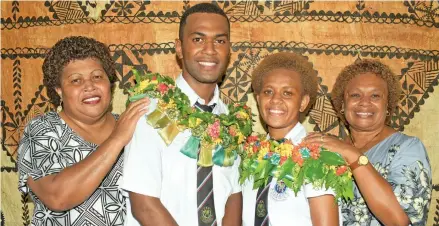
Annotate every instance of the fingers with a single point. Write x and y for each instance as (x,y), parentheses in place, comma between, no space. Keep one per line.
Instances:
(136,109)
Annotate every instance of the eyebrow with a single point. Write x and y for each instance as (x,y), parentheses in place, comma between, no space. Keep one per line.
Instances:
(76,73)
(203,35)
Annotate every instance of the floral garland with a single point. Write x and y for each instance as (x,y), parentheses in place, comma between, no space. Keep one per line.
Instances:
(295,165)
(225,133)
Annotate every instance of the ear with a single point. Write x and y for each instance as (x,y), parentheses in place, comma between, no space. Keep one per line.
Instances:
(257,98)
(304,103)
(178,49)
(59,91)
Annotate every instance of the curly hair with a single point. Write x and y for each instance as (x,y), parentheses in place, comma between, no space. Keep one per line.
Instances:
(200,8)
(360,67)
(289,61)
(69,49)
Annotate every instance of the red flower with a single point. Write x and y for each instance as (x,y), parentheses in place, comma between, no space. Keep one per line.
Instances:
(162,87)
(154,78)
(340,170)
(255,149)
(252,139)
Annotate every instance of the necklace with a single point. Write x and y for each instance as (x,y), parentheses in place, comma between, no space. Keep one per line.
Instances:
(367,143)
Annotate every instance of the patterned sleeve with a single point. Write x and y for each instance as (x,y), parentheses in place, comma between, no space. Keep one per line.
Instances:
(38,152)
(410,177)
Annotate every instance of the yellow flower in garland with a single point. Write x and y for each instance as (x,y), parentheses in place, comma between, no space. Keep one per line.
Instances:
(262,152)
(217,141)
(284,149)
(143,84)
(242,115)
(241,137)
(194,122)
(164,105)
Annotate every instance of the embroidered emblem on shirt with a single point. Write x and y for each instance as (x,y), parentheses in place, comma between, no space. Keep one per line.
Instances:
(261,211)
(206,215)
(279,191)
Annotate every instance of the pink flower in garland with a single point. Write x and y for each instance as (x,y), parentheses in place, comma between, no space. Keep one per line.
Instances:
(162,87)
(232,131)
(213,130)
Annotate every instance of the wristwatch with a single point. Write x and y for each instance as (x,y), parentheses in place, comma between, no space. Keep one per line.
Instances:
(362,161)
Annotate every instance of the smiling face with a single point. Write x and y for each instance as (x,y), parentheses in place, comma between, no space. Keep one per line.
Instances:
(365,102)
(85,89)
(205,48)
(280,101)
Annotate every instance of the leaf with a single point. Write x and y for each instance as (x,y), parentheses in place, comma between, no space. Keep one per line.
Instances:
(287,167)
(299,182)
(315,171)
(331,158)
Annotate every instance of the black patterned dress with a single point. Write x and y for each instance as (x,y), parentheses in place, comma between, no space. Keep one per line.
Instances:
(48,146)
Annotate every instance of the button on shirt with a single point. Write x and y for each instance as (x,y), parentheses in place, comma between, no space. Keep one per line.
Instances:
(151,168)
(284,208)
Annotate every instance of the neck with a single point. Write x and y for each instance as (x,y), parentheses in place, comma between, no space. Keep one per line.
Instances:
(85,124)
(279,133)
(364,140)
(203,90)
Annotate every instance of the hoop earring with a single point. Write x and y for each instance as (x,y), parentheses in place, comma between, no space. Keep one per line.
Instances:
(342,111)
(388,114)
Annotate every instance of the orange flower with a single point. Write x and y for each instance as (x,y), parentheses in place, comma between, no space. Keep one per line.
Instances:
(297,158)
(340,170)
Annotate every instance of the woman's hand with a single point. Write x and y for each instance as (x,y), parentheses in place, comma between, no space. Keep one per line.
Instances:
(334,144)
(125,126)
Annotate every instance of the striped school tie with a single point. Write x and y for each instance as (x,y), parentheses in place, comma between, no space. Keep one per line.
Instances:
(205,198)
(261,209)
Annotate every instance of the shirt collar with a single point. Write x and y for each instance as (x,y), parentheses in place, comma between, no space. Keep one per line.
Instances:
(296,134)
(193,96)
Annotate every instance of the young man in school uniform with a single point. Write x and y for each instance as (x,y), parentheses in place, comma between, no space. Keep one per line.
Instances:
(164,185)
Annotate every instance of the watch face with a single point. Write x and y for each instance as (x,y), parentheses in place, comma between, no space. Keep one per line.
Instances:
(363,160)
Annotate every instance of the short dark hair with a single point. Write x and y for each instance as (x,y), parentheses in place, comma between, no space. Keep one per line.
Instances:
(200,8)
(289,61)
(69,49)
(361,67)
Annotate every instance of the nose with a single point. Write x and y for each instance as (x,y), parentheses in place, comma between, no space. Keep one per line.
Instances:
(89,85)
(364,101)
(209,47)
(276,98)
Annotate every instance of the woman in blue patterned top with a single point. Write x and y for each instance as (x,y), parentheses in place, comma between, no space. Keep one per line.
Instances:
(71,161)
(391,170)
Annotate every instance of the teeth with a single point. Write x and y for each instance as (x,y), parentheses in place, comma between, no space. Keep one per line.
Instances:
(364,113)
(207,63)
(276,111)
(92,99)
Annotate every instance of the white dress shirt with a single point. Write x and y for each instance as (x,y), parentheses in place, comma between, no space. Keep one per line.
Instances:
(151,168)
(284,208)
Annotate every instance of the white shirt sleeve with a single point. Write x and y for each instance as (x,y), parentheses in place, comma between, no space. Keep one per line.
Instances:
(236,187)
(311,192)
(142,171)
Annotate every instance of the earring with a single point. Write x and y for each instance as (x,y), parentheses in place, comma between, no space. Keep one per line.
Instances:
(342,111)
(387,113)
(59,108)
